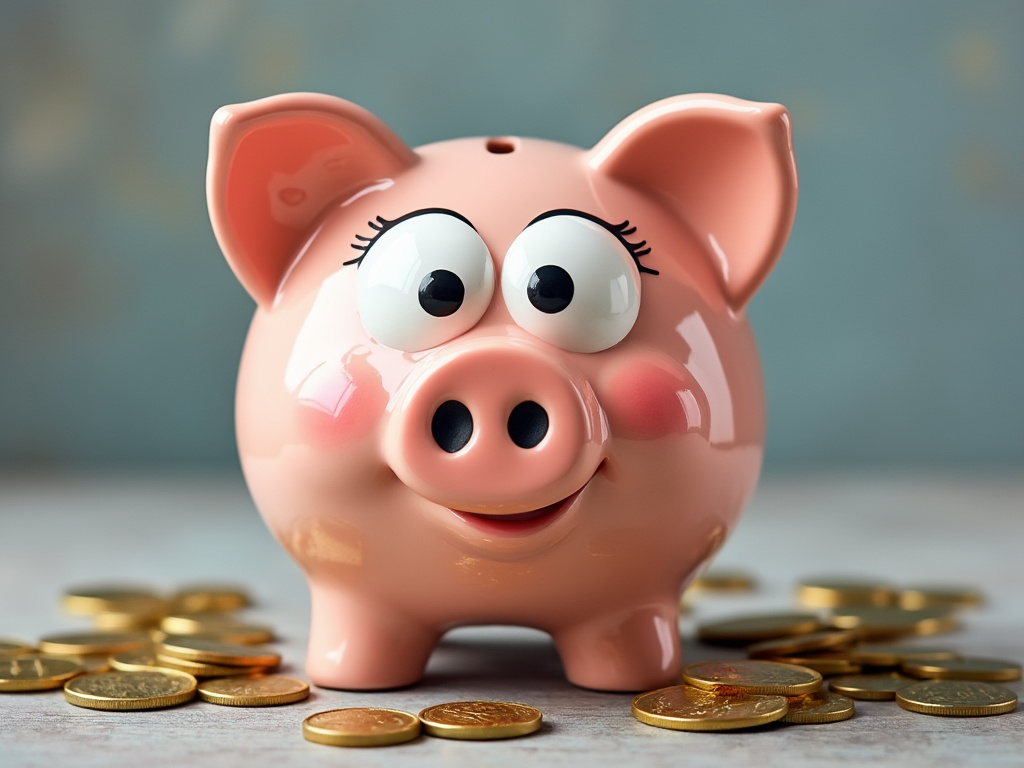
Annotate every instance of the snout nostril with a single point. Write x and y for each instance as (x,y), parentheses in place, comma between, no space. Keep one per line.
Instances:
(451,426)
(527,424)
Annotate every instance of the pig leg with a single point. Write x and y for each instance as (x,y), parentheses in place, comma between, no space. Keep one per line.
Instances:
(360,645)
(630,650)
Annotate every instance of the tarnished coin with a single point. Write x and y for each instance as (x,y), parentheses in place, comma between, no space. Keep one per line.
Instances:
(96,598)
(718,579)
(92,643)
(809,643)
(878,655)
(361,727)
(830,592)
(685,708)
(969,668)
(135,661)
(939,596)
(258,691)
(10,647)
(149,689)
(225,628)
(957,698)
(819,707)
(752,676)
(878,623)
(216,652)
(836,663)
(478,720)
(206,598)
(36,673)
(741,630)
(205,669)
(880,687)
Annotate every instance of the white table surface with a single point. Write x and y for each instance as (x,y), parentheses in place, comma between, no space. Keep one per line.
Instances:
(165,531)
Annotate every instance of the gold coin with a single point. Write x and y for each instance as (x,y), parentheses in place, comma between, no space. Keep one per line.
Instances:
(96,598)
(36,673)
(216,652)
(742,630)
(148,689)
(92,643)
(255,691)
(880,687)
(957,698)
(100,663)
(130,619)
(220,626)
(207,598)
(361,727)
(135,661)
(478,720)
(205,669)
(988,670)
(944,596)
(724,580)
(819,707)
(685,708)
(876,655)
(831,592)
(825,663)
(815,641)
(871,622)
(9,648)
(752,676)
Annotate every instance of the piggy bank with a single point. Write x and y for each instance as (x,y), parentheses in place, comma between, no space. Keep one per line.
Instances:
(500,380)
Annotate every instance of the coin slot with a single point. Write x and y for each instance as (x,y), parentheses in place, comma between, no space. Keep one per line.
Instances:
(502,146)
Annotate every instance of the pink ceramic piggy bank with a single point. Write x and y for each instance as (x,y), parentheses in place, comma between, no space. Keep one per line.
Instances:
(500,380)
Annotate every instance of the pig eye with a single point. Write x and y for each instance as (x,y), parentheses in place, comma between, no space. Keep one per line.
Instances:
(570,279)
(424,278)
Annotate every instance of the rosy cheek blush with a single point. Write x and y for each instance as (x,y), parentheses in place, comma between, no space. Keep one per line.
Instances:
(340,403)
(646,401)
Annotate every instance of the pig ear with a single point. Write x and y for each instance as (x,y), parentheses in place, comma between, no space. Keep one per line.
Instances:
(276,164)
(724,166)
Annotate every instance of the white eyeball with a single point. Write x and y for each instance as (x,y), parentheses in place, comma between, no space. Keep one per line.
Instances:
(571,282)
(425,279)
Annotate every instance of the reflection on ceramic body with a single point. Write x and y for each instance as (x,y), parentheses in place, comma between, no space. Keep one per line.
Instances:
(440,441)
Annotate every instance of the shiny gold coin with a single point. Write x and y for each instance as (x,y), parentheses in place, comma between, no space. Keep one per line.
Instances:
(877,655)
(685,708)
(957,698)
(969,668)
(742,630)
(825,663)
(819,707)
(478,720)
(752,676)
(141,660)
(221,626)
(36,673)
(205,669)
(210,598)
(216,652)
(10,647)
(92,643)
(361,727)
(257,691)
(830,592)
(880,687)
(148,689)
(723,580)
(127,620)
(877,623)
(96,598)
(809,643)
(914,598)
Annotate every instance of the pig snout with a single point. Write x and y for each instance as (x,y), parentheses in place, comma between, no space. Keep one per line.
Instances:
(495,426)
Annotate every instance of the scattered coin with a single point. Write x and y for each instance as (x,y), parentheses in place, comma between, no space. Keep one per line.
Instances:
(825,663)
(9,648)
(809,643)
(150,689)
(685,708)
(140,660)
(819,707)
(957,698)
(742,630)
(724,580)
(970,668)
(216,652)
(205,669)
(36,673)
(876,623)
(92,643)
(477,720)
(143,618)
(361,727)
(913,598)
(208,598)
(879,687)
(830,592)
(223,627)
(258,691)
(99,663)
(752,676)
(876,655)
(97,598)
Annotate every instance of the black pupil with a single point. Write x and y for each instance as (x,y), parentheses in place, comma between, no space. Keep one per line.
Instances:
(550,289)
(441,293)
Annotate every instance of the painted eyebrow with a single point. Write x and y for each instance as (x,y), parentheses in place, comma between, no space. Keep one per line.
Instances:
(380,225)
(620,231)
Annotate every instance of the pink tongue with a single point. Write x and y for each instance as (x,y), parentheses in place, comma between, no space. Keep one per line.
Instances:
(520,516)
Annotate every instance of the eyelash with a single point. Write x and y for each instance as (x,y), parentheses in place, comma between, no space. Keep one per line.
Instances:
(380,225)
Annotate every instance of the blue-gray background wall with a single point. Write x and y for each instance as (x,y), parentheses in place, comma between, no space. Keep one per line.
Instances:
(892,331)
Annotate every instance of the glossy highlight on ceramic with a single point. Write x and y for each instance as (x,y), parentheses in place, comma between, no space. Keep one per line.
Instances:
(500,380)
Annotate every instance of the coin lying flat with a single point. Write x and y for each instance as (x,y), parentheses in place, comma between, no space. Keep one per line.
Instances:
(135,661)
(819,707)
(938,596)
(753,676)
(970,668)
(96,598)
(809,643)
(207,598)
(872,622)
(204,669)
(220,626)
(361,727)
(876,655)
(880,687)
(216,652)
(742,630)
(36,673)
(724,580)
(93,643)
(10,647)
(477,720)
(830,592)
(685,708)
(150,689)
(825,663)
(957,698)
(259,691)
